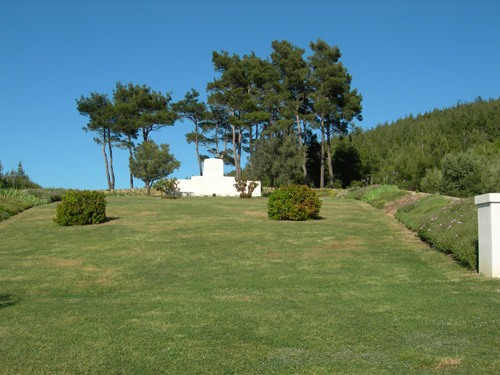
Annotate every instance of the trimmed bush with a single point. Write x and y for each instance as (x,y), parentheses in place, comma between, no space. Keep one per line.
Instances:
(245,188)
(81,208)
(294,202)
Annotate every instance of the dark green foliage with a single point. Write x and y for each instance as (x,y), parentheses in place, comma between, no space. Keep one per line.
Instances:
(347,164)
(81,208)
(463,174)
(294,202)
(278,158)
(402,152)
(448,226)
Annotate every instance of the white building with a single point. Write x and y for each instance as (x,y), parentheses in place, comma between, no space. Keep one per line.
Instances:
(212,182)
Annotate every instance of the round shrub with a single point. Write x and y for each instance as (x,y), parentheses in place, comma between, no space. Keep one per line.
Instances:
(463,174)
(432,181)
(294,202)
(81,208)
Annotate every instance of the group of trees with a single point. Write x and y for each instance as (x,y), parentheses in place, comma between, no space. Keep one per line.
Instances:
(293,117)
(455,151)
(281,111)
(134,112)
(275,108)
(16,179)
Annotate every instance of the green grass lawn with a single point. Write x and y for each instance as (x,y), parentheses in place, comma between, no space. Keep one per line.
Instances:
(211,286)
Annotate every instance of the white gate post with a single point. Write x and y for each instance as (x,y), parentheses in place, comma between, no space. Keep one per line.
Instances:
(488,213)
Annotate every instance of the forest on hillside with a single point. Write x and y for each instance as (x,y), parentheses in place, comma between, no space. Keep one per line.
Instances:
(454,151)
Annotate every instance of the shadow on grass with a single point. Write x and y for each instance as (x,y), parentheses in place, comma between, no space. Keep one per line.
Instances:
(318,218)
(7,300)
(108,219)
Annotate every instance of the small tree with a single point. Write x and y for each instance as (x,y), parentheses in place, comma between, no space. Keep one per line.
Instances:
(151,162)
(168,186)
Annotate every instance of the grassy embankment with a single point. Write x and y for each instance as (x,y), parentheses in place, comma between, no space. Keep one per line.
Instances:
(13,201)
(211,286)
(447,224)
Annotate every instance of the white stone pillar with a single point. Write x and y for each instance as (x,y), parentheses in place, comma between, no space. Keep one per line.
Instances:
(488,213)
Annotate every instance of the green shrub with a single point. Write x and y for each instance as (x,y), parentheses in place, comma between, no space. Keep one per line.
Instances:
(464,174)
(81,208)
(432,181)
(169,187)
(294,202)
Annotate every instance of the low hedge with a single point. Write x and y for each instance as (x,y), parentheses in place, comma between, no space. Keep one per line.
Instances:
(294,202)
(81,208)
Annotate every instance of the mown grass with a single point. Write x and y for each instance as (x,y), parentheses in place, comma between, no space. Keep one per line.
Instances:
(447,224)
(211,286)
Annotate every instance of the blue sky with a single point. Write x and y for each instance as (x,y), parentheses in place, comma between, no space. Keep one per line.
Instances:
(406,57)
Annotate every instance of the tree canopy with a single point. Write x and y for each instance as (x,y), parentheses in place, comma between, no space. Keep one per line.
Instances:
(151,162)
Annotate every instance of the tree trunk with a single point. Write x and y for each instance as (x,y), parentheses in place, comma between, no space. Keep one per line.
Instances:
(302,144)
(235,151)
(250,141)
(329,154)
(148,188)
(197,149)
(106,163)
(217,139)
(131,155)
(239,152)
(110,148)
(322,168)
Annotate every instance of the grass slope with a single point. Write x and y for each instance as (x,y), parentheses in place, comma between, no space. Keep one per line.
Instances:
(211,286)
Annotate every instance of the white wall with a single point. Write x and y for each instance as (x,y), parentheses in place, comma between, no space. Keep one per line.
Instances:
(212,182)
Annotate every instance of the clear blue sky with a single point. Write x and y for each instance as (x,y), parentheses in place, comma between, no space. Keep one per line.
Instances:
(406,57)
